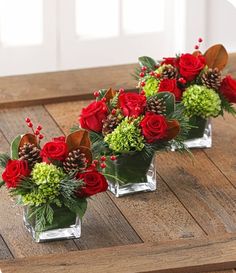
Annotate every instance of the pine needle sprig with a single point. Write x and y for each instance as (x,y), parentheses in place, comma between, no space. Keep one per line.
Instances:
(227,106)
(4,159)
(25,186)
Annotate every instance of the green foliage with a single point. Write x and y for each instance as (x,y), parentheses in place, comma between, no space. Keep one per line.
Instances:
(4,159)
(148,62)
(75,128)
(14,147)
(227,106)
(102,93)
(2,183)
(114,101)
(126,137)
(99,147)
(201,101)
(151,86)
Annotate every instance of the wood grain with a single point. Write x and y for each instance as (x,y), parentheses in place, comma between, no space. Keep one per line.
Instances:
(165,215)
(4,250)
(186,256)
(223,153)
(103,224)
(41,88)
(202,188)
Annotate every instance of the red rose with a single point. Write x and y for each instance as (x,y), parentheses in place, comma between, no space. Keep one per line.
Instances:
(228,88)
(132,104)
(169,60)
(190,65)
(59,139)
(92,116)
(94,182)
(14,171)
(154,127)
(170,85)
(55,150)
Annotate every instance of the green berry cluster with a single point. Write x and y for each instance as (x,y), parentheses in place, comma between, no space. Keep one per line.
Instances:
(201,101)
(126,137)
(151,86)
(47,178)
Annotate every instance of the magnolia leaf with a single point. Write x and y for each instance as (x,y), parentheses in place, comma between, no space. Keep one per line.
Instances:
(110,94)
(148,62)
(87,152)
(169,100)
(28,138)
(173,129)
(77,139)
(15,147)
(216,57)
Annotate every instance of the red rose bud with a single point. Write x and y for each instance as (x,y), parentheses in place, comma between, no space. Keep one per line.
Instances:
(142,74)
(41,137)
(113,111)
(144,68)
(27,120)
(142,84)
(103,165)
(39,128)
(113,157)
(96,94)
(30,124)
(37,132)
(196,47)
(103,158)
(200,40)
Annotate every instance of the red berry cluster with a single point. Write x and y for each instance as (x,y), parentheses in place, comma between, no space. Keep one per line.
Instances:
(37,131)
(198,45)
(101,162)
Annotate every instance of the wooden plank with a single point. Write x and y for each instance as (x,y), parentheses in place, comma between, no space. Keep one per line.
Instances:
(223,153)
(103,224)
(165,215)
(5,253)
(186,256)
(201,187)
(41,88)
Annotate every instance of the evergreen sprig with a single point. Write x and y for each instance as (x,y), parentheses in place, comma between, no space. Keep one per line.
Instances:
(227,106)
(4,159)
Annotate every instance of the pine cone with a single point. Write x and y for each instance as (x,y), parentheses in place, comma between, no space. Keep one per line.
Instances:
(110,123)
(211,78)
(169,72)
(30,153)
(155,105)
(75,162)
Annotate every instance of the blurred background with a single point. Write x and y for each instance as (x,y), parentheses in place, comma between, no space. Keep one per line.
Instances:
(51,35)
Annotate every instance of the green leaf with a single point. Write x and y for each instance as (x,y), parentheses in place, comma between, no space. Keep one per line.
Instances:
(169,99)
(14,147)
(148,62)
(102,93)
(79,207)
(74,128)
(2,183)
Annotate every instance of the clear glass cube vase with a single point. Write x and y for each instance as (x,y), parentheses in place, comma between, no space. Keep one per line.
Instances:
(200,136)
(130,173)
(65,225)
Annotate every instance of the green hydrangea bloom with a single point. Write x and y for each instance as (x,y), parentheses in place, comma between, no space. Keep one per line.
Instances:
(126,137)
(201,101)
(151,86)
(47,178)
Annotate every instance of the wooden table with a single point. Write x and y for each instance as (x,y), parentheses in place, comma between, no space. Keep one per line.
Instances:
(187,225)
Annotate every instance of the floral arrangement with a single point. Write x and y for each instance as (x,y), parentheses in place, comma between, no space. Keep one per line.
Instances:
(125,125)
(60,174)
(195,79)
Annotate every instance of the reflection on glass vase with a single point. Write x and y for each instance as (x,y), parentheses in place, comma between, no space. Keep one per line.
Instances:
(65,225)
(130,174)
(200,136)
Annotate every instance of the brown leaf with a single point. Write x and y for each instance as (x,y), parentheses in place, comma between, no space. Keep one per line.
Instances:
(197,53)
(77,139)
(28,138)
(216,56)
(173,129)
(88,153)
(110,94)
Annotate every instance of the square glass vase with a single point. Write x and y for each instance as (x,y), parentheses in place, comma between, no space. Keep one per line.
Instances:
(65,225)
(130,174)
(201,135)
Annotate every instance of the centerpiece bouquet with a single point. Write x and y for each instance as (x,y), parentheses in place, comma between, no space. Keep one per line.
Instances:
(197,83)
(52,182)
(127,129)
